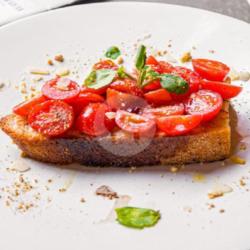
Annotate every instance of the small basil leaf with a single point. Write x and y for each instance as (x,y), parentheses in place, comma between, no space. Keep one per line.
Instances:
(90,78)
(113,52)
(137,217)
(174,84)
(100,78)
(121,72)
(140,57)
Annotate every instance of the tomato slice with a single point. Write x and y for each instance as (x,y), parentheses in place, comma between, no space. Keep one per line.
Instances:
(51,118)
(226,90)
(206,103)
(158,97)
(151,60)
(166,67)
(133,123)
(152,86)
(127,86)
(24,108)
(99,91)
(105,64)
(84,99)
(175,109)
(93,121)
(61,89)
(178,124)
(119,100)
(210,69)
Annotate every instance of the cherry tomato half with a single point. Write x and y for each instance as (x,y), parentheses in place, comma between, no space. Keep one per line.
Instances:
(93,121)
(206,103)
(24,108)
(165,67)
(99,91)
(226,90)
(84,99)
(61,89)
(51,118)
(133,123)
(158,97)
(175,109)
(210,69)
(105,64)
(192,78)
(127,86)
(119,100)
(178,124)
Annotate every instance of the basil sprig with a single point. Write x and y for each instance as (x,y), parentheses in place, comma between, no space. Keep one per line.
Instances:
(137,217)
(140,61)
(174,84)
(100,78)
(113,52)
(122,73)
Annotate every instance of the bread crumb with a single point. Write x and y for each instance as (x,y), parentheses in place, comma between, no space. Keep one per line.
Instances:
(82,200)
(174,169)
(62,190)
(50,62)
(186,57)
(222,211)
(59,58)
(244,76)
(219,190)
(120,60)
(242,182)
(106,191)
(63,72)
(37,71)
(237,160)
(197,177)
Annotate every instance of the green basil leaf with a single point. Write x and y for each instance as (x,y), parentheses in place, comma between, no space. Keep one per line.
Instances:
(113,52)
(174,84)
(140,57)
(100,78)
(137,217)
(121,72)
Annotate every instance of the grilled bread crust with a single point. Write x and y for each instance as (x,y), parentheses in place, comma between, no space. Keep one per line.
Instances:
(208,142)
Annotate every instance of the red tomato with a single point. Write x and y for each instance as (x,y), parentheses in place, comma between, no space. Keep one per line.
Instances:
(206,103)
(210,69)
(191,77)
(226,90)
(151,60)
(51,118)
(127,86)
(175,109)
(61,89)
(24,108)
(152,86)
(118,100)
(178,124)
(100,91)
(105,64)
(92,120)
(133,123)
(166,67)
(84,99)
(158,97)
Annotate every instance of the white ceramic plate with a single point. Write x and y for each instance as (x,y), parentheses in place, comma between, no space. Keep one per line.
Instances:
(83,32)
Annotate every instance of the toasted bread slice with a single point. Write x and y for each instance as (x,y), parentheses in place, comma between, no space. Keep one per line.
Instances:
(208,142)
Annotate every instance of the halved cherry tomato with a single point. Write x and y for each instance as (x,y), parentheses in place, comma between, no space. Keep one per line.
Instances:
(158,97)
(166,67)
(105,64)
(119,100)
(84,99)
(127,86)
(51,118)
(178,124)
(175,109)
(191,77)
(93,121)
(152,86)
(206,103)
(226,90)
(210,69)
(99,91)
(24,108)
(151,60)
(61,89)
(133,123)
